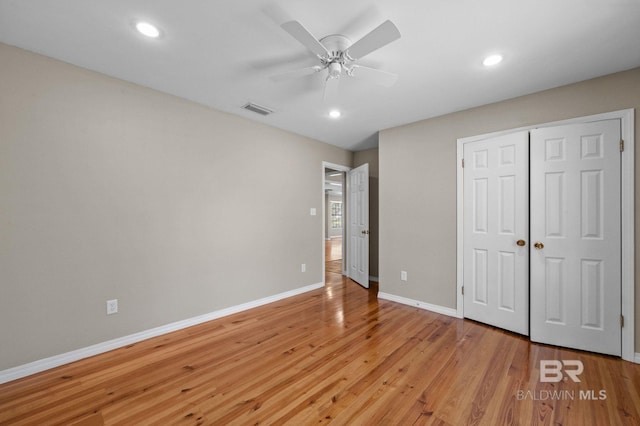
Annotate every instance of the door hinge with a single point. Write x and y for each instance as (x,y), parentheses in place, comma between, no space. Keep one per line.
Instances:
(621,145)
(463,163)
(621,321)
(463,290)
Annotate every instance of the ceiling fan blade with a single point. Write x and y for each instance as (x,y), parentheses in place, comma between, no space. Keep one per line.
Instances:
(383,78)
(296,73)
(300,33)
(331,90)
(382,35)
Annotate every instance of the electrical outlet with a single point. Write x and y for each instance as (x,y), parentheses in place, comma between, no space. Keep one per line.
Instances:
(312,211)
(112,306)
(303,267)
(403,275)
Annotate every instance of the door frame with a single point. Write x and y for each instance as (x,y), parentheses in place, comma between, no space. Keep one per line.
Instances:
(627,166)
(344,169)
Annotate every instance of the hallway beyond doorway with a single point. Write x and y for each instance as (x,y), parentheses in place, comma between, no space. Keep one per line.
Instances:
(333,256)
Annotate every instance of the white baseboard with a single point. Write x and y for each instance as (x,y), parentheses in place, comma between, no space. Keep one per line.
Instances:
(637,359)
(418,304)
(76,355)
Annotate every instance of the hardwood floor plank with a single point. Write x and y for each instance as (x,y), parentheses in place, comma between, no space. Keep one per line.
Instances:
(335,355)
(327,359)
(391,377)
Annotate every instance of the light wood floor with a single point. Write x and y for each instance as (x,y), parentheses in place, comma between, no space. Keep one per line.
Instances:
(333,249)
(333,256)
(335,355)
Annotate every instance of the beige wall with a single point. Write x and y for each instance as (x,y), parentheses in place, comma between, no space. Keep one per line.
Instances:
(111,190)
(418,181)
(370,156)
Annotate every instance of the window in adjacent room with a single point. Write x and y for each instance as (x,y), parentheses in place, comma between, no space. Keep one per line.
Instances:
(336,214)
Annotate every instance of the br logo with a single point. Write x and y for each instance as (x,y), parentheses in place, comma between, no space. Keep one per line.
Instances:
(554,370)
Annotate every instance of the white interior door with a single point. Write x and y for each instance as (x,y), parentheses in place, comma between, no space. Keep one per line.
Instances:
(358,224)
(496,229)
(575,229)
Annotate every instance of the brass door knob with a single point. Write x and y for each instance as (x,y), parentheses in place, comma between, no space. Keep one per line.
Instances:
(538,245)
(521,243)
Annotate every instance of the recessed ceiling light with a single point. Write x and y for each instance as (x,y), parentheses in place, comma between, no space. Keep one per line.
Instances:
(147,29)
(334,113)
(492,60)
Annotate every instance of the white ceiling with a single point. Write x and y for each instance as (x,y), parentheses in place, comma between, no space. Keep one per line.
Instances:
(221,53)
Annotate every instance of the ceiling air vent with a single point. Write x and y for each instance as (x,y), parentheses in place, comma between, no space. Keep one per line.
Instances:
(257,109)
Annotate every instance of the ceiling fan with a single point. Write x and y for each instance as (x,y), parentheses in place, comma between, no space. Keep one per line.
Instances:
(338,55)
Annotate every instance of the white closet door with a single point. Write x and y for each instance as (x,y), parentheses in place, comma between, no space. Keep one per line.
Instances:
(575,233)
(496,228)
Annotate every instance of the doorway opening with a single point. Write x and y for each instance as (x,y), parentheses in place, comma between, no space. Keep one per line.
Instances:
(334,220)
(348,217)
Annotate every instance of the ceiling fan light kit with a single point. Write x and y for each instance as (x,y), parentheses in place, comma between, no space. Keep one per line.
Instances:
(335,69)
(336,54)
